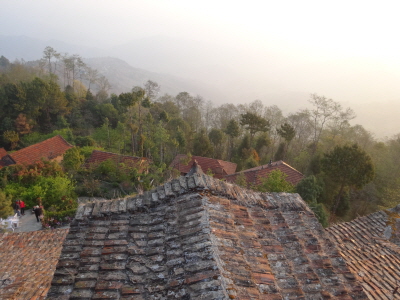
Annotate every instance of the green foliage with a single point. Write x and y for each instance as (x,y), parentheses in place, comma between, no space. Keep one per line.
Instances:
(44,180)
(73,160)
(310,189)
(6,209)
(241,180)
(347,166)
(275,182)
(280,153)
(254,123)
(287,131)
(202,145)
(321,213)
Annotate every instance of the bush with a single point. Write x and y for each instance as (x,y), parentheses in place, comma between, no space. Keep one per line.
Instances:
(54,219)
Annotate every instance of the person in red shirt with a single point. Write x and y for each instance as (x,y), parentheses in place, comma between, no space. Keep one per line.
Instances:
(22,205)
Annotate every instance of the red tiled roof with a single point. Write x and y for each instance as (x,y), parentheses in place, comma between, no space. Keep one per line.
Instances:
(218,167)
(131,161)
(47,149)
(253,176)
(3,152)
(28,261)
(198,237)
(370,247)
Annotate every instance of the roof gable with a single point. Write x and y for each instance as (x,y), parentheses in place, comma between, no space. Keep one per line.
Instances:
(254,175)
(218,167)
(48,149)
(28,261)
(196,237)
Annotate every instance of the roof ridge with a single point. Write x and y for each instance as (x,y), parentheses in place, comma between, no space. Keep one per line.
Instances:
(200,183)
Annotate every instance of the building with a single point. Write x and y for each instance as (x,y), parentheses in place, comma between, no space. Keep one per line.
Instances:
(97,157)
(217,167)
(254,175)
(196,237)
(51,149)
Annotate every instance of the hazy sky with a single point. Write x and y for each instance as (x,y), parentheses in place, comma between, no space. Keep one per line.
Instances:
(346,50)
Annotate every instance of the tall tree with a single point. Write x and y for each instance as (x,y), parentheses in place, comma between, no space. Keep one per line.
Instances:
(347,166)
(232,130)
(254,123)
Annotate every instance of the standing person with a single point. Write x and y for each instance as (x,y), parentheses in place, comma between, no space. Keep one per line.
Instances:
(17,208)
(38,212)
(22,205)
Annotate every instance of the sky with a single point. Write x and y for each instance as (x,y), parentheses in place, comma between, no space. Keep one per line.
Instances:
(345,50)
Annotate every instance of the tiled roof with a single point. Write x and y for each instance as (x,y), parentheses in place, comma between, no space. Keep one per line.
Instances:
(196,237)
(253,176)
(131,161)
(370,247)
(218,167)
(3,152)
(27,263)
(47,149)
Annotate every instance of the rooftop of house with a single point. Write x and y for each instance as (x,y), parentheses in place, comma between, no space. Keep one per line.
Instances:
(218,167)
(254,175)
(3,152)
(28,261)
(48,149)
(98,156)
(196,237)
(370,247)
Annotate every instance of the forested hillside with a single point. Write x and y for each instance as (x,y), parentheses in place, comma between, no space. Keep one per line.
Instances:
(60,94)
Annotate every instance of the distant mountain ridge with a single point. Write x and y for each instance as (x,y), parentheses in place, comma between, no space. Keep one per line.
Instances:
(122,76)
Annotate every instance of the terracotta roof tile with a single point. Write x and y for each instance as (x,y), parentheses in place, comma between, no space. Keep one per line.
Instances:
(200,238)
(253,176)
(3,152)
(370,247)
(218,167)
(132,161)
(48,149)
(27,263)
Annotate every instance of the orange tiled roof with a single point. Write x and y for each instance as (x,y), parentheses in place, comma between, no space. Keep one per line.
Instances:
(3,152)
(218,167)
(47,149)
(197,237)
(132,161)
(28,261)
(253,176)
(370,247)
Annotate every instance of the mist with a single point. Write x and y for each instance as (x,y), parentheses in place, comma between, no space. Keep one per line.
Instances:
(278,53)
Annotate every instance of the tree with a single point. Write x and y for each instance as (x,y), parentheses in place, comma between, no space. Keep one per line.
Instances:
(310,189)
(6,209)
(324,111)
(72,160)
(232,130)
(254,123)
(216,137)
(275,183)
(347,166)
(152,89)
(202,145)
(12,137)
